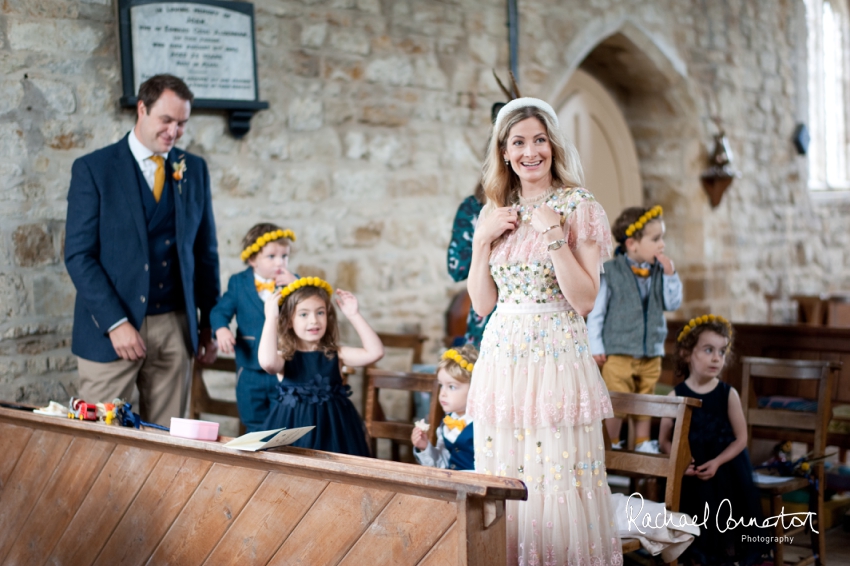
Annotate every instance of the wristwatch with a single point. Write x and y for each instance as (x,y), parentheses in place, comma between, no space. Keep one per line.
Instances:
(556,245)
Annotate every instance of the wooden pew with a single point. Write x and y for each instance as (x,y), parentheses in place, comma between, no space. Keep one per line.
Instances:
(669,466)
(80,493)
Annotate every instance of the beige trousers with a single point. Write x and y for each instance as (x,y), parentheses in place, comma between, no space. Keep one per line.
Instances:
(162,376)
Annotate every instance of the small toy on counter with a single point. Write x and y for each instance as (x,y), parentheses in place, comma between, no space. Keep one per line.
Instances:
(79,409)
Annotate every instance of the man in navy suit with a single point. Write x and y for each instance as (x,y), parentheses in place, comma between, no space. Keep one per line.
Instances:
(141,249)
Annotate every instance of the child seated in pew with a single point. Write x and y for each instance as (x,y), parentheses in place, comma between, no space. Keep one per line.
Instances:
(299,344)
(720,475)
(454,449)
(266,250)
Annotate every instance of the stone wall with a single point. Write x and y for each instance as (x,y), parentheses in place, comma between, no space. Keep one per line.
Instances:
(379,111)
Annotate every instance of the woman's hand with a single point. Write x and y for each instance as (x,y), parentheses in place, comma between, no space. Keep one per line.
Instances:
(496,223)
(543,218)
(271,306)
(347,303)
(419,439)
(225,340)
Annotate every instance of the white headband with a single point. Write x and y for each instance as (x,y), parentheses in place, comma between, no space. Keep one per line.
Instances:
(522,103)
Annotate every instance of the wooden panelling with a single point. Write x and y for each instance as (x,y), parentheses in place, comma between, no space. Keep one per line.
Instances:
(403,533)
(36,465)
(82,463)
(110,496)
(258,531)
(85,493)
(13,440)
(332,526)
(208,514)
(167,489)
(445,552)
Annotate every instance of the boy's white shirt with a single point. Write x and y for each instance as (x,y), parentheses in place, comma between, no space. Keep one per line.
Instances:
(265,293)
(439,456)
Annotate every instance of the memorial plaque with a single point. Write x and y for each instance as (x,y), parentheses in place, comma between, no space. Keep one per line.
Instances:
(210,48)
(207,43)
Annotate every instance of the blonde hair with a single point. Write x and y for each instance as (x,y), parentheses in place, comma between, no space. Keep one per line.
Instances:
(501,184)
(451,367)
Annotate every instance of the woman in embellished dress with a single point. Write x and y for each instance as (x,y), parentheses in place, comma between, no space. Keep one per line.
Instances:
(536,393)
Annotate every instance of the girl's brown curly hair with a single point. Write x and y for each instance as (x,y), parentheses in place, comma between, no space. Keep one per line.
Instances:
(287,342)
(685,348)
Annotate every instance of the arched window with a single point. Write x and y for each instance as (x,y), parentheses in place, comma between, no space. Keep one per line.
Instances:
(829,149)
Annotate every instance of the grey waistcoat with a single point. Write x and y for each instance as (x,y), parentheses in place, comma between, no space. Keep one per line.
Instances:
(633,327)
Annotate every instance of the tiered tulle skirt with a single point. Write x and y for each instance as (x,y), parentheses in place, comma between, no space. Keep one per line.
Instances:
(538,400)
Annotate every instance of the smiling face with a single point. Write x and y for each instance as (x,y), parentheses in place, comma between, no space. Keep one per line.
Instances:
(708,356)
(309,322)
(528,149)
(452,393)
(650,244)
(160,126)
(272,260)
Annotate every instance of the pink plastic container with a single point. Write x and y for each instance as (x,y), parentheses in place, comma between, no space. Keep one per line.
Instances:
(196,430)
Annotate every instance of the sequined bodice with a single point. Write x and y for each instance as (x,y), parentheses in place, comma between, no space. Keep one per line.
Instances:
(520,263)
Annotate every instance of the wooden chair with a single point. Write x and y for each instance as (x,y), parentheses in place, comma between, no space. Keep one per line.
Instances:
(457,317)
(398,432)
(798,426)
(670,466)
(202,401)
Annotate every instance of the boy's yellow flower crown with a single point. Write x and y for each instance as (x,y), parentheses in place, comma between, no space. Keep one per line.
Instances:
(704,319)
(458,359)
(305,282)
(265,239)
(638,224)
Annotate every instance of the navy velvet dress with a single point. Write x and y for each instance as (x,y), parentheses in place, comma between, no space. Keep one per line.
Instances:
(711,432)
(312,394)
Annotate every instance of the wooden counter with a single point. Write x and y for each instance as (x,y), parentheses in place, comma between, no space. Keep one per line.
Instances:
(74,492)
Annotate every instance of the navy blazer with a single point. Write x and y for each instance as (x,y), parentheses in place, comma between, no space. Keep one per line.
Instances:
(106,245)
(242,300)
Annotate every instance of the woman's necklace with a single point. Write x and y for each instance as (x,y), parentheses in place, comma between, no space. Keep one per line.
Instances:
(525,206)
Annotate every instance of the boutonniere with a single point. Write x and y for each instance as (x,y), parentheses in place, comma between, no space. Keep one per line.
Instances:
(179,172)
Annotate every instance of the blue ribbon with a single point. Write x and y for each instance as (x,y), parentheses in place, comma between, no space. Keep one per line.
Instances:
(127,417)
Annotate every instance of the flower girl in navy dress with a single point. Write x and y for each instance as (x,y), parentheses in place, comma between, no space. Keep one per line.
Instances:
(720,475)
(299,344)
(454,449)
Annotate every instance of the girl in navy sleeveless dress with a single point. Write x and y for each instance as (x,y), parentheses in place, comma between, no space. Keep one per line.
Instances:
(720,475)
(299,344)
(455,449)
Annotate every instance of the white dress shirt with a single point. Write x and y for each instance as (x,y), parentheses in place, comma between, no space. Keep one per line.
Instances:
(142,155)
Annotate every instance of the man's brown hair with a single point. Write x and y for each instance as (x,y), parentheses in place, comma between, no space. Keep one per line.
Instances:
(152,89)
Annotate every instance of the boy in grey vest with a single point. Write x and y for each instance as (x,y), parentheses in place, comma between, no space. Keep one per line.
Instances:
(626,328)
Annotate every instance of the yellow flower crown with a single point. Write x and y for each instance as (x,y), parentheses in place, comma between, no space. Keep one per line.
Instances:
(265,239)
(638,225)
(704,319)
(454,356)
(305,282)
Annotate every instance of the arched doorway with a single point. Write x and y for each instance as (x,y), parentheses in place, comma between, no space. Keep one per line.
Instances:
(592,121)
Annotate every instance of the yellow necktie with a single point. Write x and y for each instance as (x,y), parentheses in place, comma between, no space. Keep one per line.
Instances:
(267,286)
(459,424)
(640,271)
(159,176)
